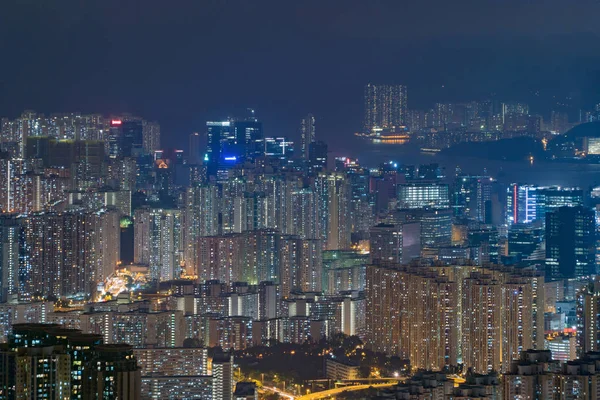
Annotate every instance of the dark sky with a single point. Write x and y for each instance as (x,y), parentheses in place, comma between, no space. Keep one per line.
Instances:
(184,61)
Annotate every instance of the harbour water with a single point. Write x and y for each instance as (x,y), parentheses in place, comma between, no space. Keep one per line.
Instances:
(540,172)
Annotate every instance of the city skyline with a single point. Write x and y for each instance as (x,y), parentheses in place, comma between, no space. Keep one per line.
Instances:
(548,38)
(257,200)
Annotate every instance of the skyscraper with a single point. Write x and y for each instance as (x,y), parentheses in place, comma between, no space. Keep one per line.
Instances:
(219,138)
(317,155)
(194,150)
(151,139)
(158,241)
(570,242)
(588,323)
(385,106)
(550,198)
(10,247)
(413,314)
(333,201)
(420,195)
(132,138)
(300,264)
(69,253)
(521,204)
(307,134)
(395,243)
(249,138)
(305,214)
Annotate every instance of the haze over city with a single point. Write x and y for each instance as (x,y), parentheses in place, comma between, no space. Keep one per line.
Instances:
(203,60)
(262,200)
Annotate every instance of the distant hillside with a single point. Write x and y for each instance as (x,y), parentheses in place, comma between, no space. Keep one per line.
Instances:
(515,149)
(589,129)
(567,145)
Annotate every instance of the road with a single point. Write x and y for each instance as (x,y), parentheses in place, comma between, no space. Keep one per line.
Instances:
(332,392)
(279,392)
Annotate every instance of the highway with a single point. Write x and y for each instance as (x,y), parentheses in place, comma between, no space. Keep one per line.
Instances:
(332,392)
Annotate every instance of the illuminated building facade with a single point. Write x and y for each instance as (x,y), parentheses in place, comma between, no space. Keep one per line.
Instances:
(11,228)
(421,195)
(159,242)
(172,361)
(333,203)
(435,317)
(139,328)
(521,204)
(385,106)
(588,322)
(343,270)
(117,374)
(413,315)
(55,242)
(222,371)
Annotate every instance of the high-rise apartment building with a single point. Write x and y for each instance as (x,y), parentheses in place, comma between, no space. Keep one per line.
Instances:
(395,243)
(532,376)
(69,253)
(385,106)
(305,214)
(588,322)
(434,315)
(158,241)
(151,137)
(300,264)
(48,361)
(117,374)
(413,314)
(172,361)
(11,237)
(502,316)
(137,327)
(222,370)
(333,202)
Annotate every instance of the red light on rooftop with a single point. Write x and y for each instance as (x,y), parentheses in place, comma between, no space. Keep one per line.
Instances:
(116,122)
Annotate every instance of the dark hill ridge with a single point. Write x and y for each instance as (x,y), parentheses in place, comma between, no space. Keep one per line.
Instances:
(560,148)
(515,149)
(589,129)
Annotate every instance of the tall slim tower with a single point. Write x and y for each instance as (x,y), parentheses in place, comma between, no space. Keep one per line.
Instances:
(194,150)
(151,136)
(307,130)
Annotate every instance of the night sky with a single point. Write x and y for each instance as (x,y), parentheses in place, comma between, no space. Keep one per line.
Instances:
(181,62)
